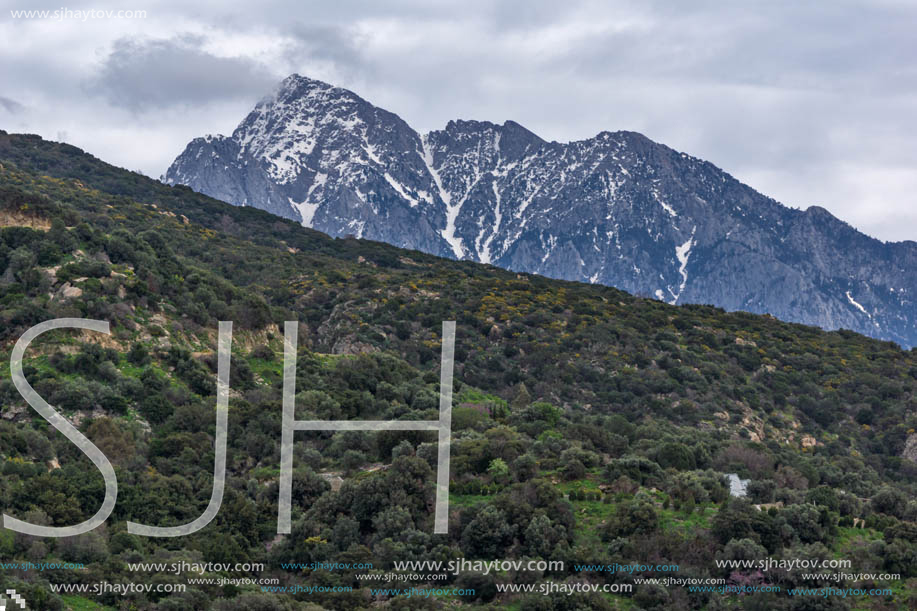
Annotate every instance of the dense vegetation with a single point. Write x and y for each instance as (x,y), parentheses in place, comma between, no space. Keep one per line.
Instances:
(590,426)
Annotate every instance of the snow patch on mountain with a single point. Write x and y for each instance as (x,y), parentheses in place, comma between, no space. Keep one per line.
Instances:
(664,205)
(683,253)
(306,211)
(399,188)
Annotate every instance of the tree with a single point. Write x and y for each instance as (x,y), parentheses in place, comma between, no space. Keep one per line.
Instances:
(762,490)
(735,520)
(252,311)
(525,468)
(155,408)
(139,355)
(542,536)
(573,469)
(676,456)
(637,468)
(740,549)
(889,501)
(481,587)
(805,521)
(498,469)
(251,602)
(824,496)
(223,548)
(488,535)
(638,516)
(353,460)
(542,411)
(522,398)
(404,448)
(392,522)
(901,557)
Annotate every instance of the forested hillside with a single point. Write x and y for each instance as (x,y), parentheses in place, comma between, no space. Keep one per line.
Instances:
(589,425)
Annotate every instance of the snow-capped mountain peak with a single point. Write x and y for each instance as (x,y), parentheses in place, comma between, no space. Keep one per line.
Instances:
(616,209)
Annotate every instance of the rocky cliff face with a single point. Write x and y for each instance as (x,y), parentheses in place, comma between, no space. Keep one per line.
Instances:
(616,209)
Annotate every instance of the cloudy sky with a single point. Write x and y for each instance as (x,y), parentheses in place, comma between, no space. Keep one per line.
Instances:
(810,102)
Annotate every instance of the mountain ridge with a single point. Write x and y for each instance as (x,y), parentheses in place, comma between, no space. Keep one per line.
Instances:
(616,209)
(574,401)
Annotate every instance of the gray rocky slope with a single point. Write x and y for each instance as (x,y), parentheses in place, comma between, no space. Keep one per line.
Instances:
(617,209)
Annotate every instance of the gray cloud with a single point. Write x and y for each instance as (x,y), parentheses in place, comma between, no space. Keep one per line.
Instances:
(338,47)
(149,74)
(810,103)
(11,106)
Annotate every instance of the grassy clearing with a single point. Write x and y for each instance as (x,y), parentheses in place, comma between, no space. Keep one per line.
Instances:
(78,603)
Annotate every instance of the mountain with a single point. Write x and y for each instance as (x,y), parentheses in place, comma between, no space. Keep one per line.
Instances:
(588,425)
(617,209)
